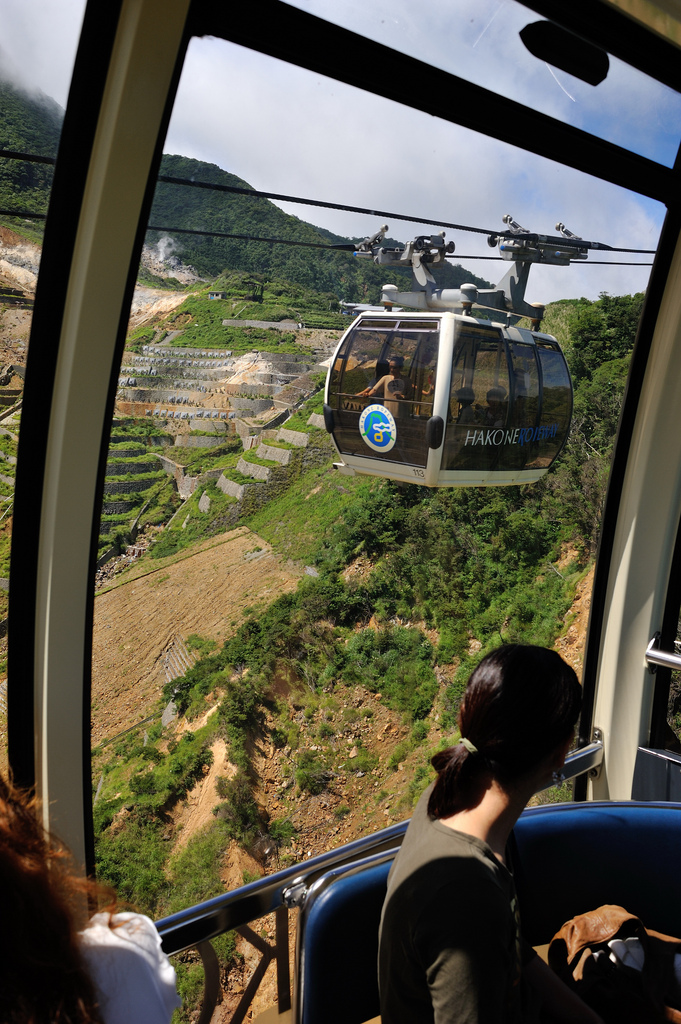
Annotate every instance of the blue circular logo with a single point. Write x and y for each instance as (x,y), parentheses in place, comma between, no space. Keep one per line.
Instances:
(377,428)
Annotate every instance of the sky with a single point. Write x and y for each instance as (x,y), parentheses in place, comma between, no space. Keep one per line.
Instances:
(289,131)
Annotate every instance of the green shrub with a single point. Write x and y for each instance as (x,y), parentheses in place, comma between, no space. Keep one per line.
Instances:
(364,762)
(312,774)
(395,661)
(132,862)
(200,645)
(239,812)
(283,831)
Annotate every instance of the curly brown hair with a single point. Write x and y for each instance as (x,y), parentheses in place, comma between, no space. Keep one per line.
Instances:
(43,978)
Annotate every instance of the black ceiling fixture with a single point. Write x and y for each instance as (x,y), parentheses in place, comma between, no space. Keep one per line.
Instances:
(565,50)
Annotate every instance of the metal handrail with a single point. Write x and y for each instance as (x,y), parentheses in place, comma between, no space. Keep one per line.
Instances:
(664,658)
(185,929)
(367,398)
(586,759)
(207,920)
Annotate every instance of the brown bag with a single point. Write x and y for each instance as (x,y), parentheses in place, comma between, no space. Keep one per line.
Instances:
(619,994)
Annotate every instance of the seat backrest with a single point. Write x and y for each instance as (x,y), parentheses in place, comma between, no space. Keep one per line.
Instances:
(337,981)
(572,858)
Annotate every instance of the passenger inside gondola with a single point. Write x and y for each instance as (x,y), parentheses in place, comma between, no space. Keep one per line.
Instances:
(393,389)
(467,413)
(451,949)
(422,372)
(495,414)
(55,965)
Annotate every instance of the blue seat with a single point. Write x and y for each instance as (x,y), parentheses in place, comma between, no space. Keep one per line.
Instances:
(569,858)
(572,858)
(338,944)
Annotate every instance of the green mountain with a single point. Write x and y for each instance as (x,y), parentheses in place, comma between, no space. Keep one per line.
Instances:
(27,125)
(345,275)
(32,125)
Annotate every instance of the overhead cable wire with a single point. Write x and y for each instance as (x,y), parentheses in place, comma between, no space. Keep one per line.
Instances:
(351,247)
(530,236)
(342,246)
(516,236)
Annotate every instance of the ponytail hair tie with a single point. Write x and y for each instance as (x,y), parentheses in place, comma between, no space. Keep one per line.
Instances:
(470,747)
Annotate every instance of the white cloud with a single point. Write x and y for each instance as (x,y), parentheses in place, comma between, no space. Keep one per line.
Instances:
(38,41)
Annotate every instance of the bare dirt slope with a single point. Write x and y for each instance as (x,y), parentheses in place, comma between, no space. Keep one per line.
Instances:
(572,644)
(149,303)
(137,620)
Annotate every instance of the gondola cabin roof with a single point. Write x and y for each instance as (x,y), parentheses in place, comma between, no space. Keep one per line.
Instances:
(447,400)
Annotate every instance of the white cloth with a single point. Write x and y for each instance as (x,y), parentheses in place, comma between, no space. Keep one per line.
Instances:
(629,952)
(133,977)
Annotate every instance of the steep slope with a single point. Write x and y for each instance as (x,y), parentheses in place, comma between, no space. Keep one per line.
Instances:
(136,621)
(28,124)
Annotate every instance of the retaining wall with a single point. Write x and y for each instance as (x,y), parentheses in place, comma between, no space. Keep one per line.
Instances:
(280,455)
(113,524)
(138,468)
(251,497)
(115,508)
(185,441)
(254,470)
(128,453)
(159,441)
(186,485)
(234,390)
(231,487)
(129,486)
(296,437)
(251,405)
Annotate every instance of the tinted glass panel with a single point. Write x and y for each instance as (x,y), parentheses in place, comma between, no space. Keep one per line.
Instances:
(392,365)
(479,40)
(478,397)
(36,63)
(556,408)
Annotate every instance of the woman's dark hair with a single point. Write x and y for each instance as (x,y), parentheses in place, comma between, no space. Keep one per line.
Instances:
(42,975)
(520,704)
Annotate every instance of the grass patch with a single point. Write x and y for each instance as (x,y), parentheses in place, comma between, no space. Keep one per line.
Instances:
(294,522)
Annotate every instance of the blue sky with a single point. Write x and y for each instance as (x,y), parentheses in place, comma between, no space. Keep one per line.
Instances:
(286,130)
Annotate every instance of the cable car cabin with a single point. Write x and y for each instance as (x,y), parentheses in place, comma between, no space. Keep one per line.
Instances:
(447,400)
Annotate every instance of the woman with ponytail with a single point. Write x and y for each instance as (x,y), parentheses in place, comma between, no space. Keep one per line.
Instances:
(450,946)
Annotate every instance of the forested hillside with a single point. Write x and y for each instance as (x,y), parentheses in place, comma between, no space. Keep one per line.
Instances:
(351,279)
(27,125)
(31,125)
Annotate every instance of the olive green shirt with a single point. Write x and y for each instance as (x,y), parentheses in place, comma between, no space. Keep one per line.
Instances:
(450,950)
